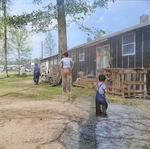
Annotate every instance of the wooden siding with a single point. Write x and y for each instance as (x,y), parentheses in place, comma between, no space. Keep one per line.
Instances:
(139,48)
(146,54)
(131,61)
(119,52)
(125,61)
(146,48)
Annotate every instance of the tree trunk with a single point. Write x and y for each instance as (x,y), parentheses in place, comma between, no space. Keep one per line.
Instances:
(19,62)
(62,35)
(5,39)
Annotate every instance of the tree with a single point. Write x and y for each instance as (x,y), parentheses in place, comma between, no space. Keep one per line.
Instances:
(75,10)
(98,33)
(20,44)
(4,20)
(49,44)
(36,60)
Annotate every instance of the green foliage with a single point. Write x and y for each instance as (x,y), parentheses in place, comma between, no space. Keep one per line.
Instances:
(36,60)
(24,75)
(98,33)
(20,43)
(40,20)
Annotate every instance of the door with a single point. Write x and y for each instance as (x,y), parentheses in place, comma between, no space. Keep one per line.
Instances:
(103,57)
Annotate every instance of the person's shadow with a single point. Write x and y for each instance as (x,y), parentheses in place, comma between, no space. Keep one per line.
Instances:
(87,138)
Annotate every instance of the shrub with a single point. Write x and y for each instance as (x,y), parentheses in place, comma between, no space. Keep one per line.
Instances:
(24,75)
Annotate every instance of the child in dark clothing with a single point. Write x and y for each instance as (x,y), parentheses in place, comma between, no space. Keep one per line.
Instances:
(100,97)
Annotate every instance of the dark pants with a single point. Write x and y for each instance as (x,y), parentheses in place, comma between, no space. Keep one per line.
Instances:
(36,77)
(100,107)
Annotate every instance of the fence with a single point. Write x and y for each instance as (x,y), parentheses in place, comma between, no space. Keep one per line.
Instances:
(125,82)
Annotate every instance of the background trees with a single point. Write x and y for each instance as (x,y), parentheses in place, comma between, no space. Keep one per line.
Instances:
(63,13)
(49,45)
(20,44)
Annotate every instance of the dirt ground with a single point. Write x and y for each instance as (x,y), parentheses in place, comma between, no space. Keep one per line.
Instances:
(50,124)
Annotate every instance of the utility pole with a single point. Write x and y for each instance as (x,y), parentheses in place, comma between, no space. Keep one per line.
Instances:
(42,49)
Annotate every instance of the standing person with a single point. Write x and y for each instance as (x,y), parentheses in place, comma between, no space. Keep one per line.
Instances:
(100,97)
(67,66)
(36,73)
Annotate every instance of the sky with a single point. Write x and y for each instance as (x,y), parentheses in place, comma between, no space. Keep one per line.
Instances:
(118,16)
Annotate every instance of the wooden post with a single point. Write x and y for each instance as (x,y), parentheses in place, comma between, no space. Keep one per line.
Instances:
(140,79)
(129,86)
(145,93)
(134,86)
(113,81)
(122,80)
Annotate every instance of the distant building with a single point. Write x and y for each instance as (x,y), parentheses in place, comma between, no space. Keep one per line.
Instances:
(9,67)
(29,66)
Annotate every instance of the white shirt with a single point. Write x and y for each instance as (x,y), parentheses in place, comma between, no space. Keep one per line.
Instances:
(66,62)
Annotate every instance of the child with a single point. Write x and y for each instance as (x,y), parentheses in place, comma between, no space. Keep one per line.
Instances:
(67,65)
(100,96)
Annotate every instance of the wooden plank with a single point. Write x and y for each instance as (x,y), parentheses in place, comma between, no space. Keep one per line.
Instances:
(114,87)
(122,80)
(133,91)
(145,88)
(132,71)
(88,85)
(134,83)
(113,83)
(117,93)
(134,86)
(140,79)
(88,79)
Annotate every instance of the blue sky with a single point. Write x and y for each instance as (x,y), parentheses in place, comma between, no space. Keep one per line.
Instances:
(119,15)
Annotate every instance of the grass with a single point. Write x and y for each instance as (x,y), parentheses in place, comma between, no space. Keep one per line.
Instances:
(14,77)
(23,87)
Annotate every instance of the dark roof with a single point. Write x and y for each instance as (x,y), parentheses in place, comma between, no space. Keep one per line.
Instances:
(143,24)
(49,57)
(147,23)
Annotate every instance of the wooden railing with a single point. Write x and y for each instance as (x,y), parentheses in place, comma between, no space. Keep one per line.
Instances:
(125,82)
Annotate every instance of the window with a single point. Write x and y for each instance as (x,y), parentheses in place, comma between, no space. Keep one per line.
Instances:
(82,57)
(128,44)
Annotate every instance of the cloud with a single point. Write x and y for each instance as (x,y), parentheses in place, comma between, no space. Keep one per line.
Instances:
(100,20)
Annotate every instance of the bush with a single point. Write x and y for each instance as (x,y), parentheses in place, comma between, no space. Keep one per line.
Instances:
(24,75)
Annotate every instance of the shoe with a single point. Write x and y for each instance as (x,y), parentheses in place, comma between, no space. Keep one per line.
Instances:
(98,114)
(104,115)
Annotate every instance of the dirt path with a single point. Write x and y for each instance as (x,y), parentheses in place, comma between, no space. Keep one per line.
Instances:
(52,125)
